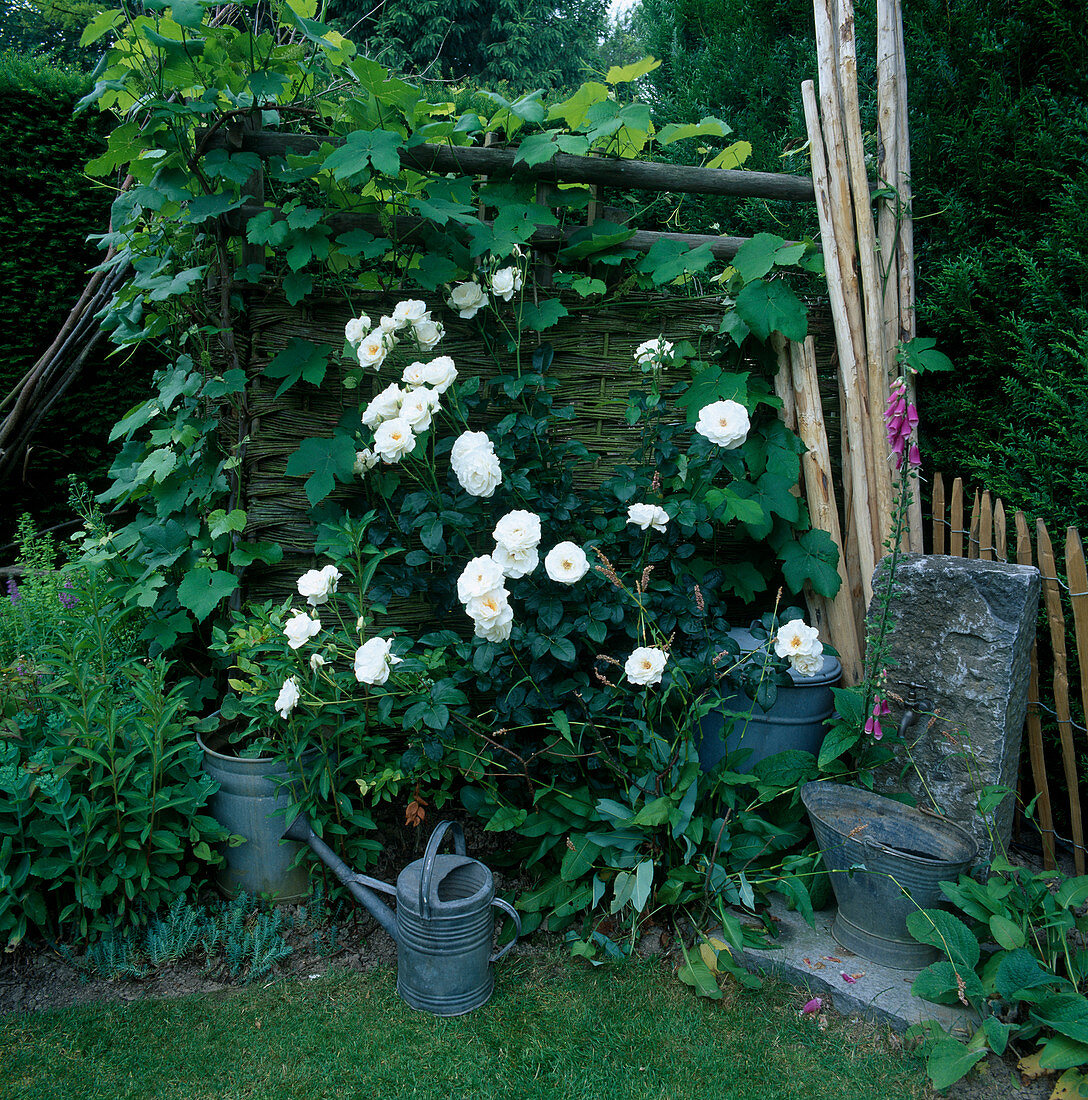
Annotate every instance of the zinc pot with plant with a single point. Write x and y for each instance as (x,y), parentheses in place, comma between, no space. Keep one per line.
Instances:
(324,718)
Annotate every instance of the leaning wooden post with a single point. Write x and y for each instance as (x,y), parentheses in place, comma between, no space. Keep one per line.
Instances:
(847,340)
(820,493)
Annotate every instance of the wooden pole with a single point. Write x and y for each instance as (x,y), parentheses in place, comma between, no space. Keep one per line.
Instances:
(1001,532)
(1056,621)
(972,536)
(1043,807)
(986,528)
(846,317)
(820,493)
(938,514)
(955,518)
(872,296)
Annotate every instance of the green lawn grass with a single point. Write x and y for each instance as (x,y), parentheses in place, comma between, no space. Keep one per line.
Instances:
(554,1029)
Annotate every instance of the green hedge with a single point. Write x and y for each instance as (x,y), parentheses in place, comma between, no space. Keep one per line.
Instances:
(50,209)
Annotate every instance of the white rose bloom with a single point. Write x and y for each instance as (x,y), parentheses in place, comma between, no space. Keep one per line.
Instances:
(492,614)
(372,350)
(645,665)
(409,312)
(481,576)
(566,563)
(518,530)
(440,373)
(795,639)
(415,374)
(428,333)
(383,407)
(419,407)
(394,438)
(373,661)
(725,423)
(300,629)
(356,329)
(318,584)
(653,351)
(475,465)
(390,326)
(648,515)
(506,282)
(519,563)
(365,460)
(317,661)
(468,299)
(289,695)
(808,664)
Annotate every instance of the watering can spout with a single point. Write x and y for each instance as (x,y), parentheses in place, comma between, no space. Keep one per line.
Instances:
(363,888)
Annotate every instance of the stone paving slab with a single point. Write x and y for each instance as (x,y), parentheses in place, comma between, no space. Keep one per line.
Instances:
(806,956)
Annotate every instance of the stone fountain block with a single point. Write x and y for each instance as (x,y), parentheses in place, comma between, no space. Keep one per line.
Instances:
(959,647)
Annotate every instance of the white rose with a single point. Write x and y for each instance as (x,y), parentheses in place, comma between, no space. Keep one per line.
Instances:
(795,639)
(289,695)
(468,299)
(725,423)
(645,665)
(383,407)
(419,407)
(317,584)
(566,563)
(475,465)
(440,373)
(300,629)
(480,576)
(415,374)
(356,329)
(373,660)
(365,460)
(409,312)
(653,351)
(394,438)
(389,327)
(808,664)
(372,350)
(492,614)
(428,333)
(317,661)
(516,563)
(648,515)
(518,530)
(505,282)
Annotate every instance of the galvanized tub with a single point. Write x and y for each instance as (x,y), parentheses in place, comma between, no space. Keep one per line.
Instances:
(252,801)
(797,720)
(886,860)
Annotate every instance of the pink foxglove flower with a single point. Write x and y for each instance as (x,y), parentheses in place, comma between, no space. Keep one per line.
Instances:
(901,419)
(880,709)
(810,1008)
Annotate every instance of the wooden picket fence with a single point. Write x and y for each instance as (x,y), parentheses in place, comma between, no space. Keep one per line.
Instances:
(986,535)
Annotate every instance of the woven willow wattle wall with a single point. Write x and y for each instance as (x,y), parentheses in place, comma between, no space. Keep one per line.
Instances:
(593,357)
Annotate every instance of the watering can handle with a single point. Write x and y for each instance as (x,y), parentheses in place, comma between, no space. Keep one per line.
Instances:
(429,858)
(512,913)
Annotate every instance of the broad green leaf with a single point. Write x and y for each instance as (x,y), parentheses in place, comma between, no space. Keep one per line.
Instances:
(222,523)
(302,361)
(586,287)
(358,242)
(947,933)
(710,385)
(201,590)
(668,260)
(644,882)
(938,983)
(653,813)
(697,974)
(100,25)
(1061,1052)
(598,237)
(267,228)
(812,557)
(624,74)
(1005,933)
(537,149)
(504,819)
(325,460)
(920,355)
(949,1061)
(732,156)
(296,286)
(1020,971)
(157,465)
(767,307)
(707,127)
(1065,1013)
(540,317)
(573,110)
(364,150)
(1073,892)
(755,257)
(580,856)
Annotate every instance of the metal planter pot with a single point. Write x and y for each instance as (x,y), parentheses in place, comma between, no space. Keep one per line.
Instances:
(899,856)
(795,721)
(252,801)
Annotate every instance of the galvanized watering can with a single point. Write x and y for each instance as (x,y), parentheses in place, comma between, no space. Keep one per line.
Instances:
(443,925)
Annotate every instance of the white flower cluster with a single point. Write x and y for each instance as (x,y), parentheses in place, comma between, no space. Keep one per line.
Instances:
(801,645)
(647,515)
(467,299)
(480,588)
(475,464)
(373,345)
